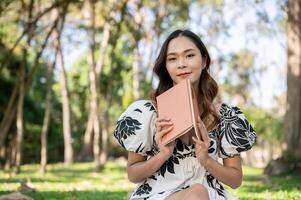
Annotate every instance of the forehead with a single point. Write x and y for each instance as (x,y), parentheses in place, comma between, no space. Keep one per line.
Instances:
(180,44)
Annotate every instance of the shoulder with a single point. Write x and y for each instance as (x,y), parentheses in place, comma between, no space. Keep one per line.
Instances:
(217,107)
(135,128)
(142,105)
(229,110)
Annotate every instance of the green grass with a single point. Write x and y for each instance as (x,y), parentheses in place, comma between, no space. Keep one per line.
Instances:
(78,181)
(256,186)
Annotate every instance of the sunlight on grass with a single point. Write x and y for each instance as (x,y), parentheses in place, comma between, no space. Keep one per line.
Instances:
(256,186)
(79,181)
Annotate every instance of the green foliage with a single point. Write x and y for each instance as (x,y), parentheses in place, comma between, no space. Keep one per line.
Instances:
(240,69)
(34,108)
(79,90)
(266,123)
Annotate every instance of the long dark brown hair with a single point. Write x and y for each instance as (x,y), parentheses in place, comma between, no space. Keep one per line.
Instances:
(208,88)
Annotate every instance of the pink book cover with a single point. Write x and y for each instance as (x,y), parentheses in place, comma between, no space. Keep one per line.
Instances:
(180,105)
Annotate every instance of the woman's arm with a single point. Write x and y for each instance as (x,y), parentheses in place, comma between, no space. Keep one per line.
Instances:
(230,173)
(138,167)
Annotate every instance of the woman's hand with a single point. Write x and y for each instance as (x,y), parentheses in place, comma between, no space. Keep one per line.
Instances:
(164,125)
(201,148)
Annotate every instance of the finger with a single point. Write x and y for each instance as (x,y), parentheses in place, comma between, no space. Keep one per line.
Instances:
(207,139)
(201,131)
(161,119)
(197,141)
(204,132)
(164,131)
(164,123)
(198,119)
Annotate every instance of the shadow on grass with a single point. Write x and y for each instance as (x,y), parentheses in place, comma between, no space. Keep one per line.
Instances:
(78,195)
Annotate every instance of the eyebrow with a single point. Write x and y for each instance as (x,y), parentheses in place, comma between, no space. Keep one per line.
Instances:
(174,53)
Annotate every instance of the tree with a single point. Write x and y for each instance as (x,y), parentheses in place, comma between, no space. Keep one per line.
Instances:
(291,156)
(293,108)
(68,148)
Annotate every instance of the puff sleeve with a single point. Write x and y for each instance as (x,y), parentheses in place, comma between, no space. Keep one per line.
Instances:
(235,134)
(135,128)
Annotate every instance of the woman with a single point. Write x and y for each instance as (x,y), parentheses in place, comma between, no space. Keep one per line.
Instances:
(186,168)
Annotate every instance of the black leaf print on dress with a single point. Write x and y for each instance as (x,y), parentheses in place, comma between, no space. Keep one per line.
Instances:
(211,147)
(143,189)
(138,110)
(236,134)
(220,189)
(153,177)
(150,106)
(174,159)
(213,183)
(138,149)
(236,129)
(126,127)
(169,165)
(180,145)
(170,168)
(183,188)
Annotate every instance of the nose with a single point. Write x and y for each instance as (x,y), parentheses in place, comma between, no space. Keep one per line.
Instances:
(181,63)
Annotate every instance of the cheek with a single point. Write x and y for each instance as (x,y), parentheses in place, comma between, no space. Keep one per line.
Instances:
(198,71)
(170,70)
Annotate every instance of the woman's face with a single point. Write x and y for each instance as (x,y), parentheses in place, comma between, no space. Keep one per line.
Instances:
(184,60)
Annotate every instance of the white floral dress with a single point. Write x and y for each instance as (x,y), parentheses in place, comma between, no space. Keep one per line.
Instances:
(135,131)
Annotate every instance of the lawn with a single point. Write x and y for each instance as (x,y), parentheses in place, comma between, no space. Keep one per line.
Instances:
(78,181)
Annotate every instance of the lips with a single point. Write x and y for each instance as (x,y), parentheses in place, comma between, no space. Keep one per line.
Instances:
(184,74)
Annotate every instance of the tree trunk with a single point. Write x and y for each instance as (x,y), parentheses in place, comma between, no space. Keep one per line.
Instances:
(9,115)
(94,76)
(137,34)
(94,85)
(293,110)
(160,14)
(108,97)
(136,73)
(48,107)
(68,147)
(20,126)
(104,45)
(292,122)
(87,149)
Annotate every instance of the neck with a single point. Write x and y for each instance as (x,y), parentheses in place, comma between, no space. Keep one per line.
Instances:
(196,88)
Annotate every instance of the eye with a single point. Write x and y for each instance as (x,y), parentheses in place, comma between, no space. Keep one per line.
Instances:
(190,55)
(171,59)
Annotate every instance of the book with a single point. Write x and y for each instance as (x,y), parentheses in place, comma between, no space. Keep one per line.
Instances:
(179,103)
